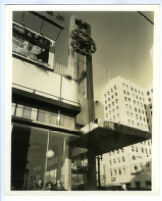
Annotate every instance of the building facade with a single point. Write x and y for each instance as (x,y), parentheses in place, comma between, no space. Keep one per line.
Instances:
(131,105)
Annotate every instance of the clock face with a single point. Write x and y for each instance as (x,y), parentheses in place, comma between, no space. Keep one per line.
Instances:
(82,42)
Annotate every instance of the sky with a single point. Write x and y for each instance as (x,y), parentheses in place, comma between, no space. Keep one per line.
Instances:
(123,41)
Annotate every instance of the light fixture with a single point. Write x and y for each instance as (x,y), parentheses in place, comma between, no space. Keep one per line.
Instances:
(50,153)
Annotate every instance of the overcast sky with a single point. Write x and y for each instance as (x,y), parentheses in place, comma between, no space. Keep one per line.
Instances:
(123,41)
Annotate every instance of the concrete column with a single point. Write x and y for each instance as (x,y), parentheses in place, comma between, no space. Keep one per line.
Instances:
(91,174)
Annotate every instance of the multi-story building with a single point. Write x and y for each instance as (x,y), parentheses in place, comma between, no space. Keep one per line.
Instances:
(46,98)
(127,103)
(124,103)
(148,106)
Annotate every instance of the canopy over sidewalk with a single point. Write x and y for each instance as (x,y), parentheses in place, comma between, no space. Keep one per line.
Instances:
(109,136)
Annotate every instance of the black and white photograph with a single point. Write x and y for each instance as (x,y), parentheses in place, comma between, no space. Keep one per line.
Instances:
(81,100)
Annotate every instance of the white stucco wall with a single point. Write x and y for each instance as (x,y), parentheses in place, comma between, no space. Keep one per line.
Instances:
(31,76)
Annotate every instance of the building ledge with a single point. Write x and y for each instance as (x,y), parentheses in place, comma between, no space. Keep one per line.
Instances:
(27,122)
(35,62)
(39,98)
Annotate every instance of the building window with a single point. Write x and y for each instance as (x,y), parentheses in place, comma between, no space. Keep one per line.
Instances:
(135,167)
(148,183)
(31,45)
(136,149)
(124,169)
(133,157)
(115,87)
(27,112)
(125,98)
(116,100)
(23,111)
(123,158)
(137,184)
(142,150)
(135,109)
(116,94)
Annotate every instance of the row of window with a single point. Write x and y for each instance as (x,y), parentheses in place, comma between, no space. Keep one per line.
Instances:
(118,171)
(137,116)
(139,125)
(135,96)
(111,97)
(139,184)
(139,110)
(117,160)
(37,114)
(134,101)
(133,89)
(112,104)
(111,90)
(141,149)
(116,151)
(147,142)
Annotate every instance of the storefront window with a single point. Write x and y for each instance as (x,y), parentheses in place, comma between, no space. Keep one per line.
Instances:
(42,161)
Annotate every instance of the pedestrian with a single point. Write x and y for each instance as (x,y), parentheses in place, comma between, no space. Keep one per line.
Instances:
(49,186)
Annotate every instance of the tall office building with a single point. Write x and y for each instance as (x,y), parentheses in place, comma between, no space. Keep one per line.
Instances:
(128,104)
(124,103)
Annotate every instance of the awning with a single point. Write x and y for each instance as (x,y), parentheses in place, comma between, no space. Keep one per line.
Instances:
(108,138)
